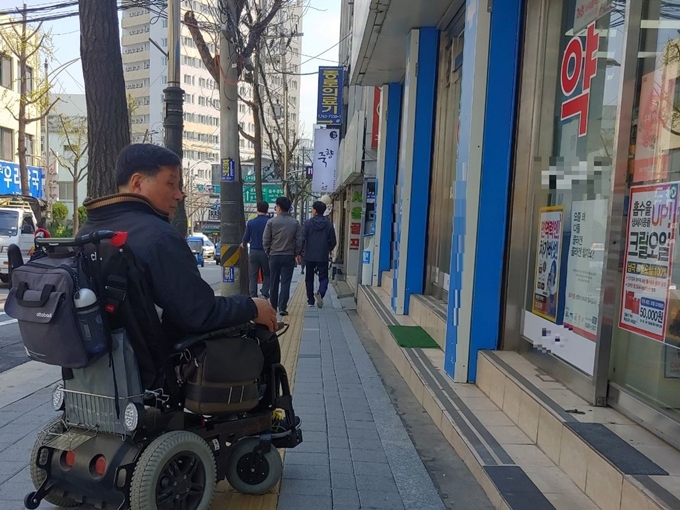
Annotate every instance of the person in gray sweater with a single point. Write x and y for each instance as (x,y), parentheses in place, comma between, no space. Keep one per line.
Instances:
(282,242)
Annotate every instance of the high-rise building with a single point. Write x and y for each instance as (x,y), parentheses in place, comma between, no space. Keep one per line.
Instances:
(144,47)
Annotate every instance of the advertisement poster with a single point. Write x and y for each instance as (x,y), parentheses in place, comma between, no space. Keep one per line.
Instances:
(548,258)
(671,364)
(652,221)
(651,157)
(584,267)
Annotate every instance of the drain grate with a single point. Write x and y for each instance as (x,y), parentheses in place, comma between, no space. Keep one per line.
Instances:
(626,458)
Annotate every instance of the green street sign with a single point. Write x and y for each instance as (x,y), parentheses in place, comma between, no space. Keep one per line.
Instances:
(270,192)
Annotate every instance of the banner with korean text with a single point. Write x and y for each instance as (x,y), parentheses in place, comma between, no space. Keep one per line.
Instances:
(10,179)
(652,222)
(329,104)
(325,166)
(548,262)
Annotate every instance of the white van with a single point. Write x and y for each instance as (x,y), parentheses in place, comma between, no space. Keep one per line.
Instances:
(17,226)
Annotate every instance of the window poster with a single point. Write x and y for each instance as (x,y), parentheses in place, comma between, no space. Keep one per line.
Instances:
(652,221)
(548,254)
(584,266)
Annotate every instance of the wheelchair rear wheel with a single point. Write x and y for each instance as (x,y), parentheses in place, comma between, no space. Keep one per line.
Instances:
(39,475)
(253,472)
(177,470)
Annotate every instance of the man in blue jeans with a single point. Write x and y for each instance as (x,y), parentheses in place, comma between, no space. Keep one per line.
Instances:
(282,243)
(320,240)
(257,259)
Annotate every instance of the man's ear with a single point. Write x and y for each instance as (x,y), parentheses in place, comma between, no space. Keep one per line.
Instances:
(134,185)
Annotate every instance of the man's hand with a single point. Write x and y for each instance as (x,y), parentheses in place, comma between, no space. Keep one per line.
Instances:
(266,315)
(298,259)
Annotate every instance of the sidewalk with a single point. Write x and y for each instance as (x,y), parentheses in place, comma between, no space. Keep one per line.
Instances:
(356,452)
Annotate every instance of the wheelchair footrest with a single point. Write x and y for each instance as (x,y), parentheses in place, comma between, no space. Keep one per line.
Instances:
(289,440)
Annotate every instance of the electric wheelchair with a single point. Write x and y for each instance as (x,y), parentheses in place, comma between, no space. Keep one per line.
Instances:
(147,425)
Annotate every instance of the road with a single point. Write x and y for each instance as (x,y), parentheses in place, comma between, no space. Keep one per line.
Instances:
(12,352)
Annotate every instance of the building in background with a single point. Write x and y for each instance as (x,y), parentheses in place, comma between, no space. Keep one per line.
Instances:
(9,125)
(67,131)
(145,69)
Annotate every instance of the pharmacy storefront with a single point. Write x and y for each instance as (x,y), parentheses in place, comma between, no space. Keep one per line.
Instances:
(593,276)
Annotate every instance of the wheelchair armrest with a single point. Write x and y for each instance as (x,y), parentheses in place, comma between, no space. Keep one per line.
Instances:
(193,340)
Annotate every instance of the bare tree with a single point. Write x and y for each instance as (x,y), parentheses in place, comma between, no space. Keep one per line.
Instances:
(26,44)
(241,26)
(108,124)
(74,132)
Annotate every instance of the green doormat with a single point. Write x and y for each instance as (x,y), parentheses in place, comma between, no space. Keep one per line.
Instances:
(412,337)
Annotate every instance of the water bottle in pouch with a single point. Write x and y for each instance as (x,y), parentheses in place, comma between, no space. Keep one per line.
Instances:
(90,321)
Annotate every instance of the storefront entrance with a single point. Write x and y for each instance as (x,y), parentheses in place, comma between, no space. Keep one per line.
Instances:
(592,292)
(440,214)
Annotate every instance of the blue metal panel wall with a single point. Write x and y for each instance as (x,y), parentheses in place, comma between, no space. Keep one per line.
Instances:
(389,181)
(497,161)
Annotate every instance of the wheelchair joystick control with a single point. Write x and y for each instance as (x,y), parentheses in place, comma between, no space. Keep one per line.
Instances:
(89,320)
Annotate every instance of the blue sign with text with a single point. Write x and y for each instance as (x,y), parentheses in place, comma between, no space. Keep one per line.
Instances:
(10,179)
(329,104)
(228,274)
(228,170)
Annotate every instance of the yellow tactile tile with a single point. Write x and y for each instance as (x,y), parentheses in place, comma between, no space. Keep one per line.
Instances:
(225,497)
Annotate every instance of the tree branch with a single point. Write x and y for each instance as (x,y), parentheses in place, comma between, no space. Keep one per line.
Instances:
(255,32)
(208,60)
(45,114)
(245,135)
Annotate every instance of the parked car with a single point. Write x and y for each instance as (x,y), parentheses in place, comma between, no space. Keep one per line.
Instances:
(196,245)
(208,249)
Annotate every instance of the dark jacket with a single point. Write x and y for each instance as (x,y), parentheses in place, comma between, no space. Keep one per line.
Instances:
(189,303)
(255,232)
(283,236)
(319,239)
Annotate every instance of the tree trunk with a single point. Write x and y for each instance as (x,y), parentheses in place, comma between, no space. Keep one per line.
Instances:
(108,126)
(76,220)
(23,171)
(232,218)
(257,116)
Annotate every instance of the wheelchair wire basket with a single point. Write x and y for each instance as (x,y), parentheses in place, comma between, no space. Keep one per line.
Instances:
(98,413)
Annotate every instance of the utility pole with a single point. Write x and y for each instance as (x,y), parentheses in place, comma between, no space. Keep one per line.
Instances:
(232,219)
(173,120)
(286,188)
(48,172)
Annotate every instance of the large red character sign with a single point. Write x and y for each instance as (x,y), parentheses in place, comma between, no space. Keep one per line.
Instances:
(579,65)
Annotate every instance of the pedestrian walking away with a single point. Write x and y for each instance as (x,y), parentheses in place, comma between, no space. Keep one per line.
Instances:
(283,239)
(257,258)
(319,242)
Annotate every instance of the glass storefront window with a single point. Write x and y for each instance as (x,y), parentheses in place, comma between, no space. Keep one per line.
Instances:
(440,214)
(646,339)
(571,179)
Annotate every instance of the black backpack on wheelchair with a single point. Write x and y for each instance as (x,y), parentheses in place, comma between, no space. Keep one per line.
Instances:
(143,424)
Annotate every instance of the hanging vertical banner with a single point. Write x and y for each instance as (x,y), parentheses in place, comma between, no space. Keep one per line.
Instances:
(548,259)
(584,268)
(652,221)
(325,165)
(329,104)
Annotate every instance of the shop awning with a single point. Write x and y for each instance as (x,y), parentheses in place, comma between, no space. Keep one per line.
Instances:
(381,28)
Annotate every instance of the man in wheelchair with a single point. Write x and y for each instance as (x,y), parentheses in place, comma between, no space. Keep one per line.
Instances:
(166,388)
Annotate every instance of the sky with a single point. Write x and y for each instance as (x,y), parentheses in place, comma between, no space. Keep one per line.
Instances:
(320,26)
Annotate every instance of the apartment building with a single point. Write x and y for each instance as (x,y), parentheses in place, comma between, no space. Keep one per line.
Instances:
(145,69)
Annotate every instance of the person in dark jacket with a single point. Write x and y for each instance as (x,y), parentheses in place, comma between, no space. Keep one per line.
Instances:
(320,240)
(148,179)
(257,258)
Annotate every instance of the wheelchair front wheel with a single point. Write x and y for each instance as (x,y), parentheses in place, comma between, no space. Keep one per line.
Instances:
(177,470)
(252,472)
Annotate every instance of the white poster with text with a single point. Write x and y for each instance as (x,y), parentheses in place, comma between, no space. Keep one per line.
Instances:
(584,269)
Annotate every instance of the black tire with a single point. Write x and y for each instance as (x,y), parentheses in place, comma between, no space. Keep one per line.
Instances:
(253,480)
(170,457)
(38,475)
